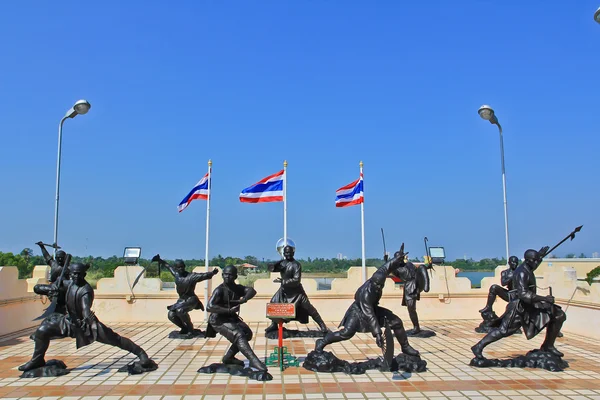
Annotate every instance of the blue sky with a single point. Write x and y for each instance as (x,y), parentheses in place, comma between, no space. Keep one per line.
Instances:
(322,84)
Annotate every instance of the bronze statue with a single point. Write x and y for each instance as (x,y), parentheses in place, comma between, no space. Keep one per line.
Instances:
(56,267)
(528,310)
(416,280)
(185,283)
(224,306)
(291,291)
(365,314)
(80,323)
(506,280)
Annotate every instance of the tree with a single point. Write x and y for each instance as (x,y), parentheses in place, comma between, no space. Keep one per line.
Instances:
(582,255)
(570,255)
(27,253)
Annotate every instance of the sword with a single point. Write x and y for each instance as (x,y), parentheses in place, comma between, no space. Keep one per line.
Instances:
(388,347)
(54,246)
(384,250)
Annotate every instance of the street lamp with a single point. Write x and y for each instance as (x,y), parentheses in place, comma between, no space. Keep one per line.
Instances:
(486,112)
(80,107)
(597,15)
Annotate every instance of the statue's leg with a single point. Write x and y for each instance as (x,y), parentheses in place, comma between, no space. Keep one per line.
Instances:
(502,293)
(186,321)
(110,337)
(411,304)
(345,333)
(314,314)
(491,298)
(398,327)
(174,318)
(510,324)
(41,339)
(229,357)
(271,328)
(242,338)
(552,330)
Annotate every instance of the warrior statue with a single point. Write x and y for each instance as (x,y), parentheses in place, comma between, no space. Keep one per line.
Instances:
(365,314)
(185,283)
(528,310)
(80,322)
(56,268)
(224,306)
(416,280)
(506,278)
(291,291)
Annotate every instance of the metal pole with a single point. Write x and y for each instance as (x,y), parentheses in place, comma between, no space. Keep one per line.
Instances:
(285,203)
(504,191)
(362,231)
(58,182)
(206,266)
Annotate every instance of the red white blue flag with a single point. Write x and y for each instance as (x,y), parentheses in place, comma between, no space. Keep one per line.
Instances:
(266,190)
(351,194)
(199,192)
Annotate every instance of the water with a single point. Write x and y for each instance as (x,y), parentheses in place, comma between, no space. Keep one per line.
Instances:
(324,283)
(475,276)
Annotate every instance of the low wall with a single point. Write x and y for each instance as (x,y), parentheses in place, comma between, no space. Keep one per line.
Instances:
(450,297)
(18,305)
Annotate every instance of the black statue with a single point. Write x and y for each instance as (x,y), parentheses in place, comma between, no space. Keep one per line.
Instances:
(56,267)
(80,323)
(365,315)
(416,280)
(487,313)
(506,278)
(185,283)
(530,311)
(291,291)
(224,306)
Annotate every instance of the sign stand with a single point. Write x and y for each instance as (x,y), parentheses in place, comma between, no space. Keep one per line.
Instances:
(280,356)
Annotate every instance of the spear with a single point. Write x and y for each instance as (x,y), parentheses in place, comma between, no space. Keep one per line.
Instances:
(569,236)
(384,251)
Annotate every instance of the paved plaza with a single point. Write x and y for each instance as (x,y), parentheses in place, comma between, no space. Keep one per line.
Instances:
(94,369)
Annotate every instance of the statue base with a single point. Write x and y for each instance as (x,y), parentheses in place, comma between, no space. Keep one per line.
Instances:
(327,362)
(236,370)
(533,359)
(197,333)
(136,368)
(294,333)
(52,368)
(423,333)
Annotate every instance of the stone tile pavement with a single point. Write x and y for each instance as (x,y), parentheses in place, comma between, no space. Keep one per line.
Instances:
(94,369)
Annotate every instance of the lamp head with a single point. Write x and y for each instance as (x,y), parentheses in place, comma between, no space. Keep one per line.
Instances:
(82,107)
(597,15)
(486,112)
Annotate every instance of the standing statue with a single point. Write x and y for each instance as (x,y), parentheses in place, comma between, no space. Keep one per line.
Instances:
(506,278)
(56,268)
(80,323)
(528,310)
(224,306)
(185,283)
(416,280)
(291,291)
(365,314)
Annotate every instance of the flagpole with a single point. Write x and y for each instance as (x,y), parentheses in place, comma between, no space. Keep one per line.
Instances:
(285,203)
(362,230)
(206,266)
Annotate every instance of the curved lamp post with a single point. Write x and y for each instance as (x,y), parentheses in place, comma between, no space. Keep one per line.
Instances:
(597,15)
(80,107)
(486,112)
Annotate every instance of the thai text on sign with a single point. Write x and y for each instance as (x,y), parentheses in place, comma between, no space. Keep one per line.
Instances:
(281,310)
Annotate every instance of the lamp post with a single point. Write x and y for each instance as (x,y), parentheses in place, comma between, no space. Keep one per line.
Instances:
(486,112)
(597,15)
(80,107)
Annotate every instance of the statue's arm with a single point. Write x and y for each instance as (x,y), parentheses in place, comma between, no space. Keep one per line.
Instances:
(202,276)
(505,277)
(215,301)
(47,257)
(86,306)
(168,267)
(526,295)
(44,289)
(249,293)
(274,267)
(296,277)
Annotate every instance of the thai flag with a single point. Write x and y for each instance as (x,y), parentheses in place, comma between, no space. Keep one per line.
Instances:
(266,190)
(351,194)
(199,192)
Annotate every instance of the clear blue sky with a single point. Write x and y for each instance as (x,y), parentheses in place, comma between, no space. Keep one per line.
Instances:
(323,84)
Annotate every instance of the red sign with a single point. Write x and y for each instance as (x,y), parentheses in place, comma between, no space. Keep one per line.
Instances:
(281,310)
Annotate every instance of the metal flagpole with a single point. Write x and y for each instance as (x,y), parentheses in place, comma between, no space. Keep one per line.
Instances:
(362,229)
(285,203)
(206,266)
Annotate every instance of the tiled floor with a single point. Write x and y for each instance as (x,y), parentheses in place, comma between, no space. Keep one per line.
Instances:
(448,374)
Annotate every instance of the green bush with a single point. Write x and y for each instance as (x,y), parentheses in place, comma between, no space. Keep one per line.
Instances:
(593,274)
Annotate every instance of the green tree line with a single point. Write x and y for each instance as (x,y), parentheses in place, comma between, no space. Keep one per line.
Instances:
(104,267)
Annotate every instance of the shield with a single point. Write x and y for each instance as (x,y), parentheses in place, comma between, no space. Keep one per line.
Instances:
(422,279)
